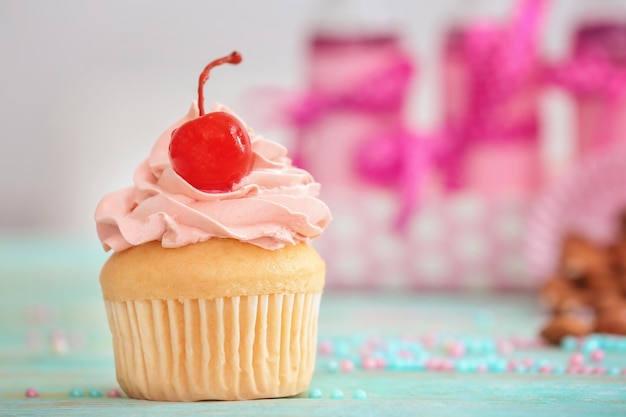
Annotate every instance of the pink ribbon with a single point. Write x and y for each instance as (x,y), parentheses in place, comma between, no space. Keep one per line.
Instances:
(380,92)
(398,158)
(498,63)
(383,91)
(500,60)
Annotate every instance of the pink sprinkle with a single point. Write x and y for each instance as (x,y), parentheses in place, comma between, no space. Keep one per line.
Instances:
(430,340)
(58,342)
(588,370)
(381,363)
(32,393)
(326,348)
(600,370)
(114,393)
(456,349)
(433,364)
(536,343)
(369,363)
(505,347)
(446,365)
(512,365)
(545,369)
(597,355)
(575,369)
(481,368)
(519,341)
(346,366)
(576,359)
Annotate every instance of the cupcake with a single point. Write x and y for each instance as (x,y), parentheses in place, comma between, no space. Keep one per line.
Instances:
(213,289)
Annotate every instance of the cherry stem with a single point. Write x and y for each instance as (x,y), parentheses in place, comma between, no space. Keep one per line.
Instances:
(233,58)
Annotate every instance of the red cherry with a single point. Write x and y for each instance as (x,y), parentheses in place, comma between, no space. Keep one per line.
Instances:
(213,151)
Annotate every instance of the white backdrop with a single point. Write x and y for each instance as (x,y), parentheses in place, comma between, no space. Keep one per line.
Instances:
(87,86)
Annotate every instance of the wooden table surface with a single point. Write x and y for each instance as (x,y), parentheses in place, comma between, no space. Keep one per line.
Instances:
(54,338)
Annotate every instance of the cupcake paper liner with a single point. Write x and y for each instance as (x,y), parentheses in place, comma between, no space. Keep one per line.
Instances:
(220,349)
(588,202)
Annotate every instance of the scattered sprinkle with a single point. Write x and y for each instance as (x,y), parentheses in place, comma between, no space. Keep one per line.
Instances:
(95,392)
(315,393)
(76,392)
(359,394)
(336,394)
(31,393)
(114,393)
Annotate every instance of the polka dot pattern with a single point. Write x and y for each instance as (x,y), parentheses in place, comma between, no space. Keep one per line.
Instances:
(461,242)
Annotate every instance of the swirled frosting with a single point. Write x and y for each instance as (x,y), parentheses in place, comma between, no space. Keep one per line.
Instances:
(273,206)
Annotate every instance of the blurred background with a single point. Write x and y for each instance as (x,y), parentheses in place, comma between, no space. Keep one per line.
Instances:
(88,86)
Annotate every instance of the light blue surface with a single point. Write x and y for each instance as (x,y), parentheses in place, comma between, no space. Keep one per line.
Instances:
(58,293)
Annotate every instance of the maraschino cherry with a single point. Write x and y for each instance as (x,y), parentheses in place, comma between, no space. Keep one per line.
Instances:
(213,151)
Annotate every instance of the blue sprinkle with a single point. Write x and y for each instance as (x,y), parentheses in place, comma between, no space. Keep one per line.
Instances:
(608,343)
(614,371)
(465,366)
(489,346)
(473,345)
(76,392)
(498,365)
(336,394)
(398,364)
(342,349)
(332,366)
(590,344)
(359,394)
(569,343)
(620,344)
(357,361)
(315,393)
(542,362)
(95,392)
(414,365)
(415,347)
(558,370)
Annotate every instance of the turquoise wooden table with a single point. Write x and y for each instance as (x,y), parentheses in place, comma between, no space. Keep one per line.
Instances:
(391,354)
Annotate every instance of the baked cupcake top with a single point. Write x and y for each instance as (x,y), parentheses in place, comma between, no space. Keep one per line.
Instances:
(273,205)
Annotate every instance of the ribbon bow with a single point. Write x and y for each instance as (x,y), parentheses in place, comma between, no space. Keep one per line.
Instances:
(500,62)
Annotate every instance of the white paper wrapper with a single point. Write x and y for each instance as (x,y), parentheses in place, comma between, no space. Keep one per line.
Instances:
(222,349)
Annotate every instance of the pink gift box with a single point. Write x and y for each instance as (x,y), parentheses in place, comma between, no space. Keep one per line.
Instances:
(601,106)
(491,113)
(357,87)
(377,175)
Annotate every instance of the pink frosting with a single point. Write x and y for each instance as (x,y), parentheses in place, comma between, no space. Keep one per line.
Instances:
(273,206)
